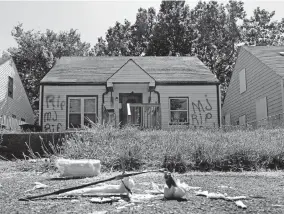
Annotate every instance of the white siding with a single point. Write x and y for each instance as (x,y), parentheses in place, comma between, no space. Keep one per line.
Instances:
(18,105)
(261,82)
(203,107)
(55,99)
(131,73)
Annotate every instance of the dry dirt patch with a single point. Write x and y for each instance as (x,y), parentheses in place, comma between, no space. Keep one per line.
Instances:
(265,189)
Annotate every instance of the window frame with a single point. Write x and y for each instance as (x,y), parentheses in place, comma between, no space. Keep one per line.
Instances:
(187,111)
(82,98)
(242,79)
(10,90)
(258,111)
(244,118)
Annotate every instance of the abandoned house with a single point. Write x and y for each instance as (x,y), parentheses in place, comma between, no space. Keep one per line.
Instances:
(15,108)
(255,95)
(150,92)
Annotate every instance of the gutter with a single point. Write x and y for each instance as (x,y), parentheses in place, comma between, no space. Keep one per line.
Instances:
(103,101)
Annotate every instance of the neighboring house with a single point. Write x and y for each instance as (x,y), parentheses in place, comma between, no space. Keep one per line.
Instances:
(255,92)
(15,108)
(150,92)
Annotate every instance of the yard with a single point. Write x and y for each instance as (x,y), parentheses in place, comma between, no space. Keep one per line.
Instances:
(239,163)
(263,189)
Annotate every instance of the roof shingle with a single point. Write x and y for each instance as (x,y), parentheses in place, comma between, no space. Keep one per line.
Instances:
(270,56)
(99,69)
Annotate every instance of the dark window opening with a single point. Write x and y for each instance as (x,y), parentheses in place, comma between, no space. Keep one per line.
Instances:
(10,87)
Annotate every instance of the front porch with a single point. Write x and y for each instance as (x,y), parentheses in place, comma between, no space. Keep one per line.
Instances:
(142,115)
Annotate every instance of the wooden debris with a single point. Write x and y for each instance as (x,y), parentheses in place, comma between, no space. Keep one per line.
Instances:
(118,177)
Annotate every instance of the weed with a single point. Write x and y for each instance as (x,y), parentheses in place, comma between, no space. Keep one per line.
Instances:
(178,150)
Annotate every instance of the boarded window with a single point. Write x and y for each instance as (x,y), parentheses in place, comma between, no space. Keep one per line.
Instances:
(228,119)
(10,87)
(242,120)
(243,84)
(178,110)
(82,111)
(261,109)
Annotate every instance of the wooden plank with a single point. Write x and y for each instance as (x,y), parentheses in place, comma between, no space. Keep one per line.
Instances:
(143,104)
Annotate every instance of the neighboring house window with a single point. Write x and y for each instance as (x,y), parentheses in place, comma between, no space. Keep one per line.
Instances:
(10,87)
(243,83)
(242,120)
(81,111)
(228,119)
(261,109)
(178,110)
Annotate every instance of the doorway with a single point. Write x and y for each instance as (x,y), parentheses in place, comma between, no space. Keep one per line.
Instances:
(125,98)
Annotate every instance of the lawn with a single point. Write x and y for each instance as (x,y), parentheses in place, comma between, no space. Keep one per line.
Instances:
(263,189)
(239,163)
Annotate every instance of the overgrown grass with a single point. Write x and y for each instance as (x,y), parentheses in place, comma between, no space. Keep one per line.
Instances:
(179,150)
(176,150)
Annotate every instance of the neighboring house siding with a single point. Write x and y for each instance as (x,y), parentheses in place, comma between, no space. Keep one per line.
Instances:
(18,105)
(261,82)
(55,101)
(203,95)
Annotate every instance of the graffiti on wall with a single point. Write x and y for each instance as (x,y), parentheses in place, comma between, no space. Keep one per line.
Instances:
(50,117)
(201,112)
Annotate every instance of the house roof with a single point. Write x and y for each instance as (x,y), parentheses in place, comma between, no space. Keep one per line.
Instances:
(3,60)
(97,70)
(270,56)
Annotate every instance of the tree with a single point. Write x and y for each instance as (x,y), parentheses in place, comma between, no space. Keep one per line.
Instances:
(37,52)
(259,30)
(100,48)
(218,36)
(142,30)
(118,39)
(126,39)
(174,31)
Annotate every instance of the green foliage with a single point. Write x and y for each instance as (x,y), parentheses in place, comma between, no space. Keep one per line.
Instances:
(174,32)
(37,52)
(261,31)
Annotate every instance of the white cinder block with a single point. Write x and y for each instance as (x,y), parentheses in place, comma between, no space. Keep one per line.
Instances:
(78,168)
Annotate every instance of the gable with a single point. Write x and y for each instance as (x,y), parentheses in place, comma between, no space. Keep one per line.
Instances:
(261,81)
(17,104)
(130,72)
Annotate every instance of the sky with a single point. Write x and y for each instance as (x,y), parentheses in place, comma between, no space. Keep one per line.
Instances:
(91,18)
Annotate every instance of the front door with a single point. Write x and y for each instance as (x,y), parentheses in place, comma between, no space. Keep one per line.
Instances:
(125,98)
